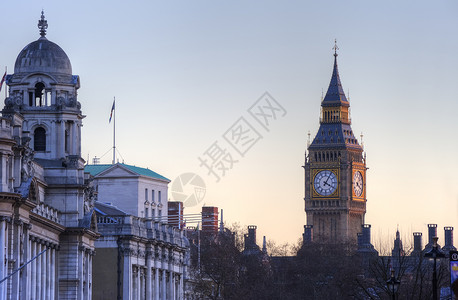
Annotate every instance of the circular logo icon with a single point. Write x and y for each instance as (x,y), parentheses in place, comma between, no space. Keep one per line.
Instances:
(455,256)
(188,188)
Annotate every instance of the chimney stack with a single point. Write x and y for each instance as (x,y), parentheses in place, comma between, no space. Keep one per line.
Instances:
(252,235)
(417,242)
(307,236)
(448,233)
(210,219)
(360,240)
(364,239)
(366,234)
(175,214)
(432,232)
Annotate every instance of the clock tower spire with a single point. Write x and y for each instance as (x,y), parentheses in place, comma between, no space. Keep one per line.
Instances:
(335,171)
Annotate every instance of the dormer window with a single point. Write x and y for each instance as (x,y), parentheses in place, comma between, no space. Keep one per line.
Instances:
(39,139)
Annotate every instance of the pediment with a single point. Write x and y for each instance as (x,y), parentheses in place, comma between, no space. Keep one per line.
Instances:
(117,171)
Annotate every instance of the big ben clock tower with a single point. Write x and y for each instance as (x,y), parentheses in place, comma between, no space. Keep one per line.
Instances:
(335,172)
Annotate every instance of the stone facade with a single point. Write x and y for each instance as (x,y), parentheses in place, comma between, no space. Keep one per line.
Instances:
(138,191)
(139,255)
(46,230)
(139,258)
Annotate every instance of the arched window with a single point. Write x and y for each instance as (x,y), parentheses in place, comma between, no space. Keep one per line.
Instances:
(39,89)
(39,141)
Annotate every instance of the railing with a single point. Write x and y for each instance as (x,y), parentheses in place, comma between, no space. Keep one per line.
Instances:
(110,220)
(141,227)
(47,212)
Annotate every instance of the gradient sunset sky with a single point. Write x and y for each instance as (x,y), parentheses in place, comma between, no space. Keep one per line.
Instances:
(183,72)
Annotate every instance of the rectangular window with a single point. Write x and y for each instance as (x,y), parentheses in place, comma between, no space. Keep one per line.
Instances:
(146,212)
(30,98)
(153,213)
(152,196)
(159,196)
(159,213)
(146,194)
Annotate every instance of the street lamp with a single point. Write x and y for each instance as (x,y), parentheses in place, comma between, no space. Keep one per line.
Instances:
(393,285)
(434,254)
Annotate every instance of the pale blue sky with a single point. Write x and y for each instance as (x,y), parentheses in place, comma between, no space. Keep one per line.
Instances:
(184,71)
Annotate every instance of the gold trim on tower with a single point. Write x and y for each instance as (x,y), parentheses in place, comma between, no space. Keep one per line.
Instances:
(358,182)
(315,194)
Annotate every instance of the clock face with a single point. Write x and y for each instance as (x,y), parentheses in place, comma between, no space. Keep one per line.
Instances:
(358,184)
(325,183)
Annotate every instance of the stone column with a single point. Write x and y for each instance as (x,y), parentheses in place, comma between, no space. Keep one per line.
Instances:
(39,258)
(53,136)
(33,294)
(53,273)
(81,271)
(86,266)
(3,168)
(134,292)
(142,284)
(16,256)
(48,271)
(3,270)
(172,285)
(149,281)
(164,284)
(127,275)
(74,139)
(91,253)
(29,269)
(181,288)
(139,284)
(79,139)
(62,139)
(156,284)
(43,273)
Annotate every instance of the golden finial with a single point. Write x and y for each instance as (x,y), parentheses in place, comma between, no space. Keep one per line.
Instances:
(335,48)
(42,24)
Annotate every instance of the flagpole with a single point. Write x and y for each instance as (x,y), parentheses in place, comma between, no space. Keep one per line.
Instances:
(114,131)
(6,72)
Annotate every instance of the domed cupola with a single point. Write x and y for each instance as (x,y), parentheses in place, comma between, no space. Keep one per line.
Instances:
(43,57)
(43,99)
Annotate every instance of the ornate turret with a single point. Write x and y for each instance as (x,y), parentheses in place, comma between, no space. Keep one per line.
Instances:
(43,92)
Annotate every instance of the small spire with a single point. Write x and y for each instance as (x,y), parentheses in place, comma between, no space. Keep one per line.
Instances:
(308,139)
(335,94)
(42,24)
(335,48)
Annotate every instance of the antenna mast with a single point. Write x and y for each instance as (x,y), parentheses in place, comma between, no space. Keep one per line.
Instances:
(113,109)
